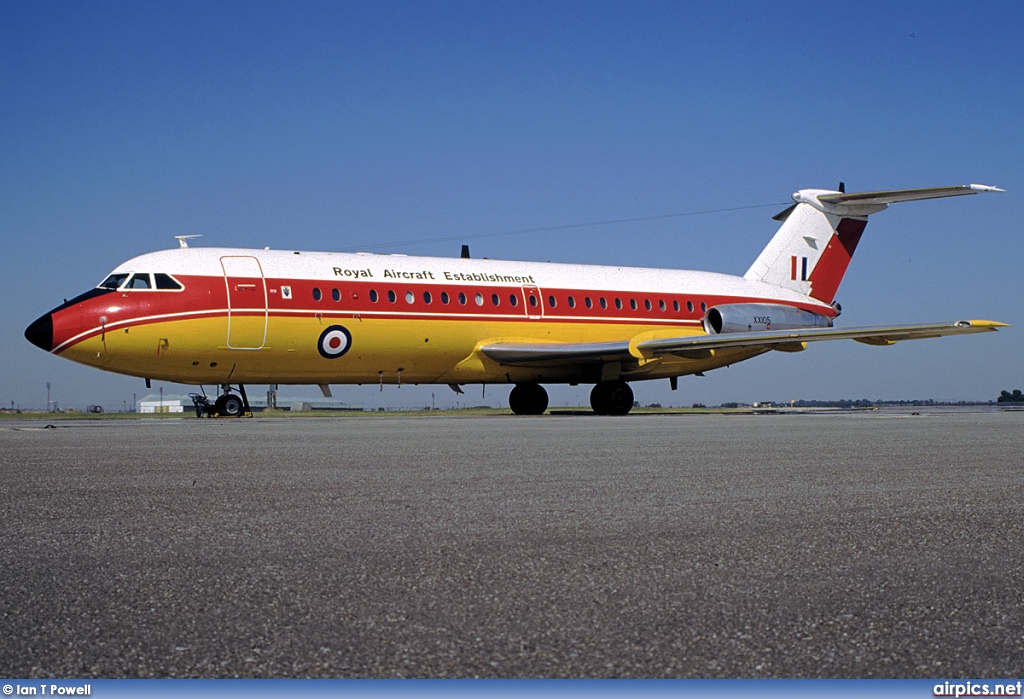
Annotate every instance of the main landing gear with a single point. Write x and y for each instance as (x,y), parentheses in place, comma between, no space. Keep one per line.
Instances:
(607,398)
(227,404)
(611,398)
(528,399)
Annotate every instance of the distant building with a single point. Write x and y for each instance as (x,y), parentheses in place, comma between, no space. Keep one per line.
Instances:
(303,406)
(184,404)
(169,404)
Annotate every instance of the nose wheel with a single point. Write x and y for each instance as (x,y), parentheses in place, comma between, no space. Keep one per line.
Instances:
(227,404)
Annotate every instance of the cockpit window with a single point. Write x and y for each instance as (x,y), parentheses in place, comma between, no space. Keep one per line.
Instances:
(166,281)
(140,280)
(113,281)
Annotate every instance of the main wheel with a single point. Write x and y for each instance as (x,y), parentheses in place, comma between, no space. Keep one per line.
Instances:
(611,398)
(229,405)
(528,399)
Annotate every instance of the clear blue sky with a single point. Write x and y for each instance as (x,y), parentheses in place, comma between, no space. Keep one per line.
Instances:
(365,125)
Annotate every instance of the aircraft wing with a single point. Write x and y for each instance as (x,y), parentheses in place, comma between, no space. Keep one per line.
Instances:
(697,346)
(516,353)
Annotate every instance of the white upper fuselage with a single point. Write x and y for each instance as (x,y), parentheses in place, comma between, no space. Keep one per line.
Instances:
(401,270)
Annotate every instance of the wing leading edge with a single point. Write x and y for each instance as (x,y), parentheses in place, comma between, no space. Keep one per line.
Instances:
(518,353)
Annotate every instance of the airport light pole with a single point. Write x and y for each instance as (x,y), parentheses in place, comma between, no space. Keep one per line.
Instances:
(47,396)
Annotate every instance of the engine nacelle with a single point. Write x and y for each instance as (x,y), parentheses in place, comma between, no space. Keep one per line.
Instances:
(752,317)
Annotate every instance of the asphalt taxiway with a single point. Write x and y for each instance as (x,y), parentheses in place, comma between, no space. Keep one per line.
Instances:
(850,545)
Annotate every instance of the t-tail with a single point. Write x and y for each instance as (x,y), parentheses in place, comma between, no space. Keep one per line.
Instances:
(820,232)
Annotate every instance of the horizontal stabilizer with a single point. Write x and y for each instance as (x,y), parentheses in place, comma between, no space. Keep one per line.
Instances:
(898,195)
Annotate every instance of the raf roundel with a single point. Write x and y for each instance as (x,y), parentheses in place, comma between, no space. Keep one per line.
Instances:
(334,342)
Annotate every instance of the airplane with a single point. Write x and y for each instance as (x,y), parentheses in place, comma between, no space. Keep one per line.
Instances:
(229,316)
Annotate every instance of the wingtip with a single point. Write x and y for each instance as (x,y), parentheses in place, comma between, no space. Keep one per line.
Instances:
(986,324)
(984,188)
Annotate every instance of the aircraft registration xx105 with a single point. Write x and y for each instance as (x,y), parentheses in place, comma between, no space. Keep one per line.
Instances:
(231,317)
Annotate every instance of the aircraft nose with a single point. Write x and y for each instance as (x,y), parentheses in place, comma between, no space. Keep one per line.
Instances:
(40,333)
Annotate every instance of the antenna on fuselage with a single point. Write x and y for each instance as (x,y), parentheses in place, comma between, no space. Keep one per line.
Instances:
(465,252)
(183,239)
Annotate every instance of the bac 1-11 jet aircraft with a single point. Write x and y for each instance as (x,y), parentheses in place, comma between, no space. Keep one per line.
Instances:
(230,317)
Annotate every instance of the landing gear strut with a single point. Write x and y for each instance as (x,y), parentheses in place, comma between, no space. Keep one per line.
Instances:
(611,398)
(528,399)
(227,404)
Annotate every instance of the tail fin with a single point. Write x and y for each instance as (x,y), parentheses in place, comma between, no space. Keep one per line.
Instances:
(820,232)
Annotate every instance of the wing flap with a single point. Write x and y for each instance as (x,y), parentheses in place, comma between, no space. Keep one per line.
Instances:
(514,353)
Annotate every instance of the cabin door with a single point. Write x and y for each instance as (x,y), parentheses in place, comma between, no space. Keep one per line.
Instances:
(247,302)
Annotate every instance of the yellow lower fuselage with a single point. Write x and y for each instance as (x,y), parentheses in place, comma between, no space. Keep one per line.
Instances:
(196,351)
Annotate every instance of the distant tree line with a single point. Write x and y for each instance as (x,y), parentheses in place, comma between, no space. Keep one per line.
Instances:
(1007,397)
(847,403)
(843,403)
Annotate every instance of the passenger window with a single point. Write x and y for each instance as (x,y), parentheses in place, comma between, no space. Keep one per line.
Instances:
(618,304)
(703,307)
(336,295)
(632,304)
(689,306)
(588,302)
(551,301)
(165,281)
(572,302)
(462,299)
(316,294)
(675,306)
(391,296)
(426,297)
(661,305)
(410,297)
(647,304)
(445,298)
(513,299)
(479,298)
(533,300)
(373,295)
(604,303)
(495,300)
(113,281)
(140,280)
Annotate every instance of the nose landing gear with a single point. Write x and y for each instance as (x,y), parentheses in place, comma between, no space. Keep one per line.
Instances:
(227,404)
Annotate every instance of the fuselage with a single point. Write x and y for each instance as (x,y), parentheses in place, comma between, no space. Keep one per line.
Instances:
(224,315)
